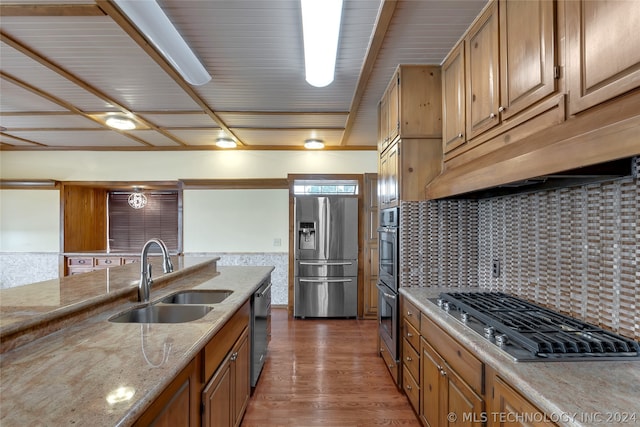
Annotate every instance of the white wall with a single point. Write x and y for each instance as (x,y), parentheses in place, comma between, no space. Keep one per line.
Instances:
(236,220)
(173,165)
(29,221)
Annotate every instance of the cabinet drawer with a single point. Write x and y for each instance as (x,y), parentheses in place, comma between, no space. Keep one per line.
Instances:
(107,261)
(411,359)
(80,261)
(459,358)
(391,364)
(412,314)
(130,260)
(411,334)
(412,389)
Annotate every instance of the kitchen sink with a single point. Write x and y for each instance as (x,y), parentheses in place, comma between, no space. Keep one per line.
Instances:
(213,296)
(163,314)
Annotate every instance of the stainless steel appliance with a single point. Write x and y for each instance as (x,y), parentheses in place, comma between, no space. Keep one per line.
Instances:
(326,256)
(260,328)
(529,332)
(388,301)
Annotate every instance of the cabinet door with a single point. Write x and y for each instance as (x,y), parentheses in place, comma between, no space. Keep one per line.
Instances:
(383,180)
(393,162)
(430,367)
(465,405)
(394,108)
(603,55)
(383,123)
(527,55)
(454,99)
(510,409)
(241,372)
(482,69)
(216,398)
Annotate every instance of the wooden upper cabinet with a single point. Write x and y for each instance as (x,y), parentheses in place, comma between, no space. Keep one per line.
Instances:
(453,99)
(603,53)
(527,54)
(482,69)
(411,106)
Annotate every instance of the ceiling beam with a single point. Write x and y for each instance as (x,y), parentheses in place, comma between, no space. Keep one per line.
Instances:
(385,14)
(5,38)
(7,10)
(119,18)
(21,139)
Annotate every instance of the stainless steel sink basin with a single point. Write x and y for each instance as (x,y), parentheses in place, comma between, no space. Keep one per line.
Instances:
(163,314)
(213,296)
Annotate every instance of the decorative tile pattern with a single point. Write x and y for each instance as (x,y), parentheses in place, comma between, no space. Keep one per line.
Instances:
(573,249)
(18,269)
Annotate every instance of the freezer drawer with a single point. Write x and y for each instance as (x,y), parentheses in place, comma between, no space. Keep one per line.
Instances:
(325,297)
(326,268)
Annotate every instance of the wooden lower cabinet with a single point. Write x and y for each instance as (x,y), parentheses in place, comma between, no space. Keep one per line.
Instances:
(178,405)
(447,400)
(226,396)
(510,409)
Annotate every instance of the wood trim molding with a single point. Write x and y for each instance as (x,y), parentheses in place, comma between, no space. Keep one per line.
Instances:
(29,184)
(50,10)
(605,133)
(236,184)
(383,20)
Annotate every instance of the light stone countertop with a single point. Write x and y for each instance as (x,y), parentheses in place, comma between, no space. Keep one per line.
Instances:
(65,377)
(574,393)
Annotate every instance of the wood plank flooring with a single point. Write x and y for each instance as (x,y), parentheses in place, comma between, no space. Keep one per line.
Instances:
(325,373)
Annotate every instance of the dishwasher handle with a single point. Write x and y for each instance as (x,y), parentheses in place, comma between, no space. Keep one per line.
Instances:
(325,263)
(325,280)
(263,292)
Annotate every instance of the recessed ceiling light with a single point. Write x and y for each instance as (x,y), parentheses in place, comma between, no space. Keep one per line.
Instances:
(226,143)
(313,144)
(120,123)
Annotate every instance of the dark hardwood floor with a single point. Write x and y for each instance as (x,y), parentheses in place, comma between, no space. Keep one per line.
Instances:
(325,373)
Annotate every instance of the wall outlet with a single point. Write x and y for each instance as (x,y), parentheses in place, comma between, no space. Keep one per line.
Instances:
(495,268)
(277,242)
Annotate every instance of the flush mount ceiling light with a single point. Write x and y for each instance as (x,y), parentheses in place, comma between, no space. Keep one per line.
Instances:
(137,200)
(120,122)
(226,143)
(321,30)
(148,16)
(313,144)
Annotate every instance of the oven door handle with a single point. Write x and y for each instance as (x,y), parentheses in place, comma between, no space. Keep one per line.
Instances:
(325,263)
(385,293)
(325,280)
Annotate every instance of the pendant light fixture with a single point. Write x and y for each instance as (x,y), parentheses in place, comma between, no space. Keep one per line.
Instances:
(137,200)
(321,31)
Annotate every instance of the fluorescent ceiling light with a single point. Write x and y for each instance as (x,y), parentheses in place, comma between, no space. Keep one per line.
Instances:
(148,16)
(120,123)
(321,30)
(313,144)
(226,143)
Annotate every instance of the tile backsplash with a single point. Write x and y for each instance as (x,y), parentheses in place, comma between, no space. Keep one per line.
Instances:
(574,249)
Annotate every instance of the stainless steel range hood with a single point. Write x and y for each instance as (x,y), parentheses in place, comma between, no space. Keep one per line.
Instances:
(613,170)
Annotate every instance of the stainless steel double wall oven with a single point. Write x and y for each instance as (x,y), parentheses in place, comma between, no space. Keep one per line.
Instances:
(388,300)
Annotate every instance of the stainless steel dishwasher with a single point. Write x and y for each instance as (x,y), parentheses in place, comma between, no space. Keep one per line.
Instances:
(260,328)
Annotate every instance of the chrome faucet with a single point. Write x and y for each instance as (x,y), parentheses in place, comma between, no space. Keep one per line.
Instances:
(144,287)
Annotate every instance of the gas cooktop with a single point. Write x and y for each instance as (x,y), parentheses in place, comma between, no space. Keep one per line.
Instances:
(529,332)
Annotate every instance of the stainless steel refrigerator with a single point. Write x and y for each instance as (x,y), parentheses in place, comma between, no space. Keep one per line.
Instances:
(326,256)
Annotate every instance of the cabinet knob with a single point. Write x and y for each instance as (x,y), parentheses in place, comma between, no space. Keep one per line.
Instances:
(107,261)
(443,373)
(492,116)
(409,313)
(409,359)
(460,135)
(81,261)
(409,334)
(501,109)
(409,387)
(234,356)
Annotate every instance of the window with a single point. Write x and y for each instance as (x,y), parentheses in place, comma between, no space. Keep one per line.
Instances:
(129,229)
(325,187)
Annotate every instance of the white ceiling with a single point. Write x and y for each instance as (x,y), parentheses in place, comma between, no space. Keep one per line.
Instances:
(64,64)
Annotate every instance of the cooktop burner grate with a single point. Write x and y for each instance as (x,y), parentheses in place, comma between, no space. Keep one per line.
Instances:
(541,331)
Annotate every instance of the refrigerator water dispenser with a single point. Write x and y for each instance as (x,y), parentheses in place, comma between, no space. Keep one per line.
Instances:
(307,235)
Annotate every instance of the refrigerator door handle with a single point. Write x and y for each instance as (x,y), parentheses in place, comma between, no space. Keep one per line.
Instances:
(325,280)
(325,263)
